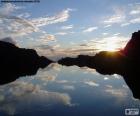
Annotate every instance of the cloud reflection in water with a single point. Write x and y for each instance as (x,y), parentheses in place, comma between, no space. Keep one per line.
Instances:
(60,89)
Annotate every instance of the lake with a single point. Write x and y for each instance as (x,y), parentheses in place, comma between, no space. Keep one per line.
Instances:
(59,90)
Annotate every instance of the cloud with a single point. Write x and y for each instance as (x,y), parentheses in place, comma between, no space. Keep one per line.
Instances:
(68,87)
(117,17)
(117,76)
(135,9)
(46,78)
(62,81)
(67,27)
(90,29)
(125,24)
(125,86)
(116,92)
(88,70)
(104,43)
(109,86)
(104,34)
(106,78)
(115,42)
(54,66)
(90,47)
(23,93)
(136,20)
(116,34)
(45,38)
(61,33)
(60,17)
(24,15)
(15,26)
(64,33)
(8,8)
(106,26)
(92,83)
(19,25)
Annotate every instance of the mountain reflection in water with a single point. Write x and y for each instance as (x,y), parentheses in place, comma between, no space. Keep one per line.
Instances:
(57,90)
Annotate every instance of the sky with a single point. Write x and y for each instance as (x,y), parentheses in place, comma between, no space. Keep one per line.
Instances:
(58,26)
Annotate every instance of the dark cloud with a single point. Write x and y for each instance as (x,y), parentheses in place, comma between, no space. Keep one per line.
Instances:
(124,62)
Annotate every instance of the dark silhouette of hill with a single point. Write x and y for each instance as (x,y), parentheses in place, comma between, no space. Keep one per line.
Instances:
(125,62)
(16,62)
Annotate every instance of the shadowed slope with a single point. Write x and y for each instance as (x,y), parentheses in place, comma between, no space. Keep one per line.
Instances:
(125,63)
(16,62)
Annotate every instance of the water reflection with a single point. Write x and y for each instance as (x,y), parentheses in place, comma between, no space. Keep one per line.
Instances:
(16,62)
(69,91)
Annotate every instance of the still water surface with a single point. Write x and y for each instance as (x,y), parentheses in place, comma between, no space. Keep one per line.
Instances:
(67,91)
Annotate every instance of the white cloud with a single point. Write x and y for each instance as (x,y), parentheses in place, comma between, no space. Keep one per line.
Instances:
(68,87)
(92,83)
(117,17)
(136,20)
(109,86)
(62,81)
(88,48)
(61,33)
(67,27)
(45,38)
(90,29)
(125,24)
(18,25)
(64,33)
(24,15)
(125,86)
(135,9)
(135,12)
(106,78)
(46,78)
(104,34)
(116,34)
(106,26)
(116,92)
(60,17)
(54,67)
(15,26)
(8,8)
(88,70)
(23,93)
(116,76)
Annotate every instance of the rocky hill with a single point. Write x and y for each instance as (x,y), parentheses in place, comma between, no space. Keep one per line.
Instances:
(16,62)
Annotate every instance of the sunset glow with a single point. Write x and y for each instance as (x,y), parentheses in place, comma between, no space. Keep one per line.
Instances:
(111,46)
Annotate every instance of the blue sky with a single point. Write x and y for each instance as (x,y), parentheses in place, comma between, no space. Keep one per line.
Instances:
(68,24)
(57,28)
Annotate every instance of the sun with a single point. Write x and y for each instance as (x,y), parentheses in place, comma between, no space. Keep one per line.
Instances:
(111,46)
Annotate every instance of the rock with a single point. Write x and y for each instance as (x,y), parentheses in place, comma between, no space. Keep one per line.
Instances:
(125,63)
(16,62)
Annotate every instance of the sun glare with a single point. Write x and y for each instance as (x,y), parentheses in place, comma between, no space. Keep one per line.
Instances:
(111,46)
